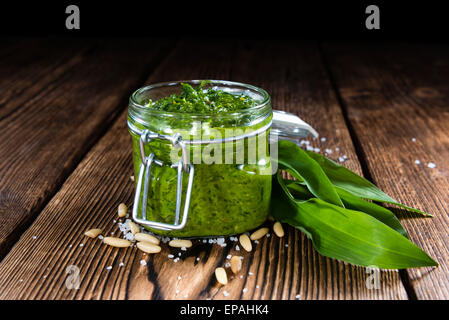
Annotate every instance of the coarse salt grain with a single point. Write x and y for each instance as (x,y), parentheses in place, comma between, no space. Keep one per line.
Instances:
(417,162)
(237,248)
(228,256)
(323,139)
(121,264)
(179,277)
(414,139)
(244,290)
(257,287)
(309,148)
(298,296)
(108,267)
(316,149)
(198,259)
(170,256)
(225,293)
(143,262)
(183,248)
(227,265)
(81,244)
(33,237)
(250,273)
(431,165)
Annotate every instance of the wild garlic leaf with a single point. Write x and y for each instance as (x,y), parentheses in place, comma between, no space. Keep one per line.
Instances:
(353,183)
(345,234)
(301,166)
(300,192)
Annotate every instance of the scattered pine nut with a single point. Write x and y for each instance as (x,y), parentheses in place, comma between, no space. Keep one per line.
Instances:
(117,242)
(93,233)
(148,247)
(146,237)
(122,210)
(245,242)
(256,235)
(179,243)
(132,178)
(236,264)
(220,274)
(278,229)
(133,227)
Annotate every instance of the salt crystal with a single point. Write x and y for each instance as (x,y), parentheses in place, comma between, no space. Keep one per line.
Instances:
(198,259)
(337,149)
(109,268)
(81,244)
(121,264)
(186,296)
(225,293)
(183,248)
(257,287)
(341,159)
(328,151)
(309,148)
(286,244)
(268,235)
(256,241)
(298,296)
(244,290)
(237,248)
(316,149)
(177,291)
(241,277)
(34,237)
(179,254)
(414,139)
(431,165)
(417,162)
(100,237)
(179,277)
(228,256)
(323,139)
(143,262)
(176,260)
(170,256)
(250,273)
(227,265)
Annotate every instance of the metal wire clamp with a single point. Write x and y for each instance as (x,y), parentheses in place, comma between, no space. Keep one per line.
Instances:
(144,177)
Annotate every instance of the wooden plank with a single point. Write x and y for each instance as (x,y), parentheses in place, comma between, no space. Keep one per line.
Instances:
(89,198)
(396,98)
(57,99)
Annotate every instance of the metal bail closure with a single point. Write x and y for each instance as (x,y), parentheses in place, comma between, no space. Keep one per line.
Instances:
(144,177)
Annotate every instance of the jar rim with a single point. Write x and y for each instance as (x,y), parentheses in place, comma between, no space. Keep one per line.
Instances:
(266,98)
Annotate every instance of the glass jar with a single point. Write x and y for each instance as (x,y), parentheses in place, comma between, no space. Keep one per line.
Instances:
(201,175)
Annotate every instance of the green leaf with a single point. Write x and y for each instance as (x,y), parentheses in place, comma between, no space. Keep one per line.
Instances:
(352,202)
(355,184)
(296,161)
(380,213)
(345,234)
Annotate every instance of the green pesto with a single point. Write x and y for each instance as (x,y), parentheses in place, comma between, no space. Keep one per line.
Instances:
(226,199)
(198,100)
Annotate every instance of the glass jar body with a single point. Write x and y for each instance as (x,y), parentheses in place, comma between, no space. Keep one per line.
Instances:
(232,179)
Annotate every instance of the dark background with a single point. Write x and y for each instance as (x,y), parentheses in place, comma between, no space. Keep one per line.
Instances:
(307,20)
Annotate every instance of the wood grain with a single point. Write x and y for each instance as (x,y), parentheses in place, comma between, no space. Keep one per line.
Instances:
(56,100)
(275,269)
(396,98)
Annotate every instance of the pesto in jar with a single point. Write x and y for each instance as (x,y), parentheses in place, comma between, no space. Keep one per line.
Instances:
(226,199)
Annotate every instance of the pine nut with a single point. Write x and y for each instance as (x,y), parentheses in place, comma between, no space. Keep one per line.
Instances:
(93,233)
(220,274)
(117,242)
(133,227)
(245,242)
(148,247)
(122,210)
(256,235)
(278,229)
(236,264)
(146,237)
(179,243)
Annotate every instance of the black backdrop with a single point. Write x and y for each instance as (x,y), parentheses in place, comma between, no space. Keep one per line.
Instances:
(313,20)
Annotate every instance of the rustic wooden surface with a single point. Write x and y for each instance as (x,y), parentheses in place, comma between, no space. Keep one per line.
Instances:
(66,161)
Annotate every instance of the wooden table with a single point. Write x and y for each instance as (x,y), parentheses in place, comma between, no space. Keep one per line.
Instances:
(65,162)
